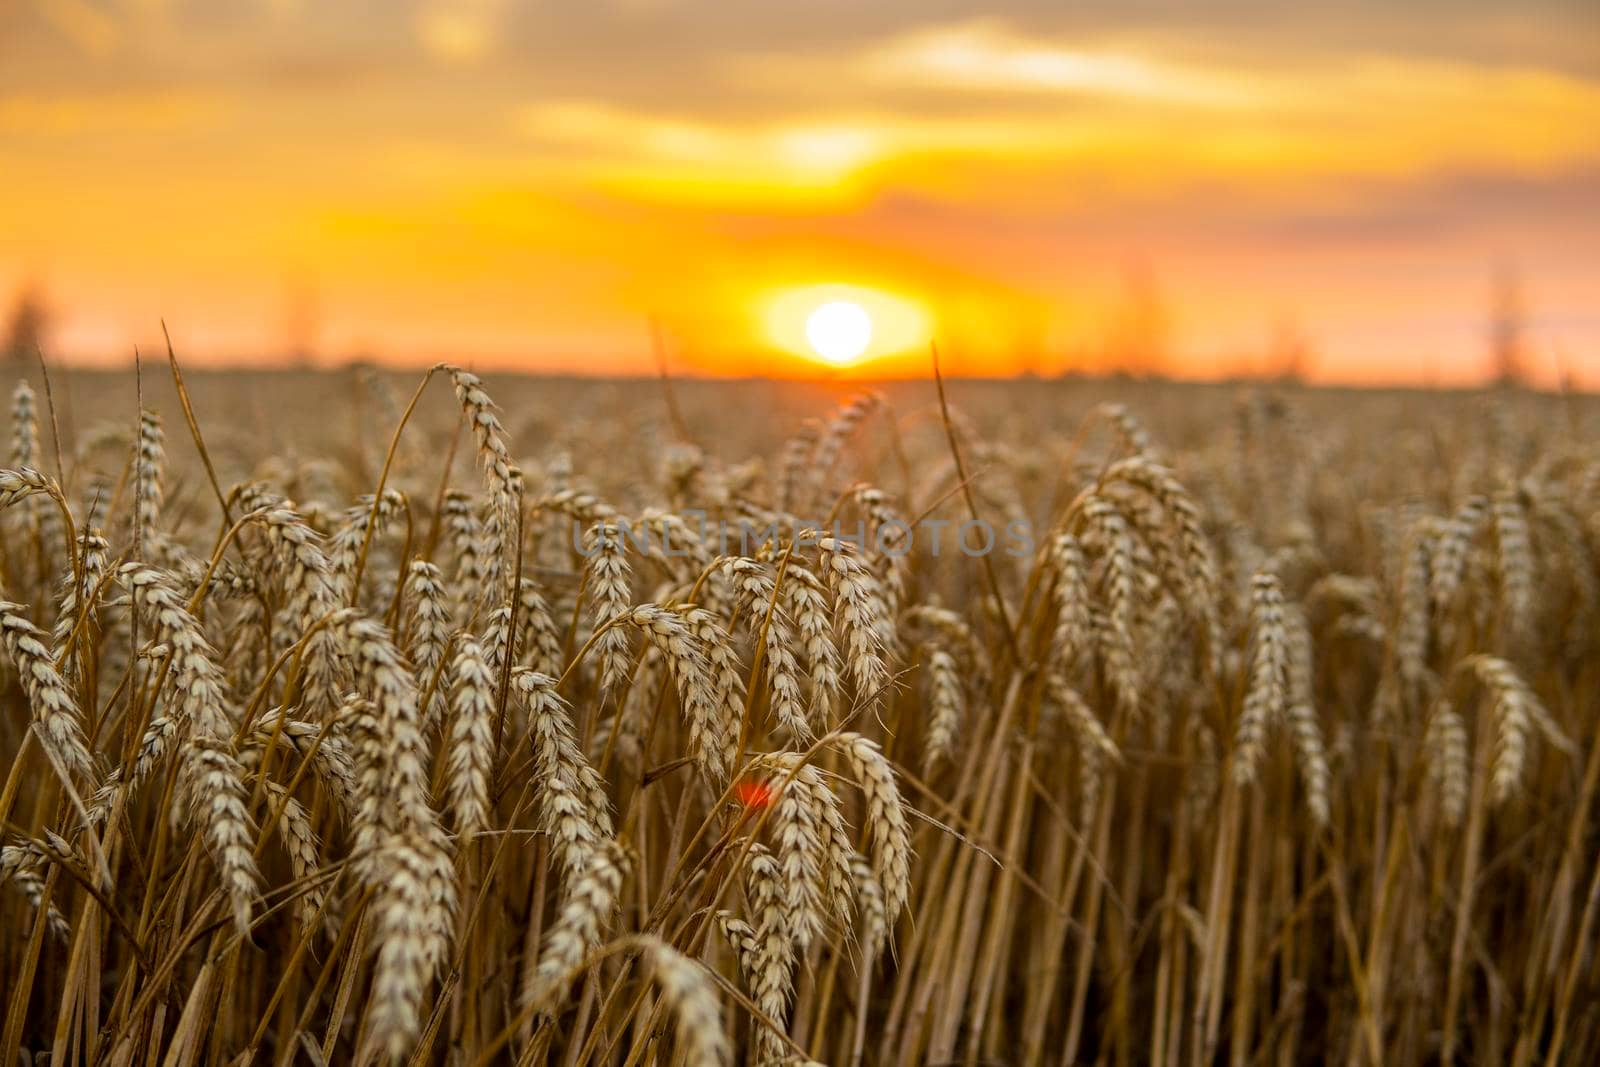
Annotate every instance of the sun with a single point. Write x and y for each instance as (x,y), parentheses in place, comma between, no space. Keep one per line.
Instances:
(839,331)
(849,327)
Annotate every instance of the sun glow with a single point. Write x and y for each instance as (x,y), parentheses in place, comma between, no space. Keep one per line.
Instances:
(843,326)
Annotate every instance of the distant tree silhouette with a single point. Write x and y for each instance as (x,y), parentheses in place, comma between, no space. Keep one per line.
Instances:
(1506,330)
(26,325)
(301,322)
(1141,330)
(1289,357)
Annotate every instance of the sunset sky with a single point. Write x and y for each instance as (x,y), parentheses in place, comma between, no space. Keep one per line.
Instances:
(1038,185)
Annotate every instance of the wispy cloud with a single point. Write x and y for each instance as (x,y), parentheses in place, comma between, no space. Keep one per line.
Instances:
(793,153)
(1101,121)
(458,31)
(82,114)
(987,56)
(91,29)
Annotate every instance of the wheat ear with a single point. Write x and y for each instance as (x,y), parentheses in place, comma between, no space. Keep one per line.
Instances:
(1267,695)
(887,826)
(469,760)
(55,710)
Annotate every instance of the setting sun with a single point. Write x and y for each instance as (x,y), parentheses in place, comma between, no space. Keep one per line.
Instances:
(839,331)
(856,328)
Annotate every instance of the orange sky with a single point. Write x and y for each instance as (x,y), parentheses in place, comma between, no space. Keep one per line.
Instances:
(1038,185)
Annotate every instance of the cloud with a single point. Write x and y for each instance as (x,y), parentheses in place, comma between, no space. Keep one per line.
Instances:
(1042,122)
(91,30)
(987,56)
(458,31)
(79,114)
(668,150)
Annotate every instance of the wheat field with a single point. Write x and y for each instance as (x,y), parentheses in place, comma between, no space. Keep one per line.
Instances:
(358,718)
